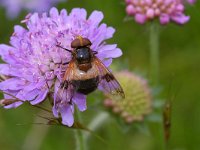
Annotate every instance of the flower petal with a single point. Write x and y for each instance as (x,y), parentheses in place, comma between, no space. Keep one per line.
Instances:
(67,115)
(180,18)
(14,105)
(80,101)
(95,18)
(164,19)
(12,84)
(6,53)
(54,13)
(140,18)
(40,97)
(107,62)
(109,32)
(110,54)
(80,13)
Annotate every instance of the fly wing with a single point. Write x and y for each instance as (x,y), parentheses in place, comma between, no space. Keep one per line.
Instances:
(108,83)
(66,90)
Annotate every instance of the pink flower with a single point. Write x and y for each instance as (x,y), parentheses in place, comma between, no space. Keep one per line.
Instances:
(164,10)
(190,1)
(32,61)
(14,7)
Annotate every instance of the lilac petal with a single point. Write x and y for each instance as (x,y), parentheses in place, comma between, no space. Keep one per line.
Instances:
(164,19)
(63,15)
(67,115)
(56,86)
(110,54)
(95,18)
(55,111)
(12,95)
(12,70)
(110,31)
(180,18)
(12,84)
(54,13)
(79,13)
(107,62)
(105,48)
(30,87)
(55,56)
(140,18)
(58,99)
(19,30)
(80,101)
(34,20)
(5,53)
(99,36)
(4,69)
(40,97)
(28,95)
(14,105)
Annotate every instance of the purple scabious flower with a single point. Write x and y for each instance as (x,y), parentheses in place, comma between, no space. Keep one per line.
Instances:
(164,10)
(32,67)
(13,7)
(190,1)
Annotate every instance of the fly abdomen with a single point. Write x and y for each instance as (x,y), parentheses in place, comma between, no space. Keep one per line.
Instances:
(86,86)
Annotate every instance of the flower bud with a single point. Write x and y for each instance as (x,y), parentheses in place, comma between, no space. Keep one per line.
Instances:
(137,102)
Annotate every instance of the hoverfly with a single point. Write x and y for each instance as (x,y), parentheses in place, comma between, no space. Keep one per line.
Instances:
(85,72)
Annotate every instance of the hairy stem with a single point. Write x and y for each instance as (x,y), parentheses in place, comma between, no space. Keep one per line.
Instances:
(96,123)
(154,62)
(154,52)
(36,135)
(79,137)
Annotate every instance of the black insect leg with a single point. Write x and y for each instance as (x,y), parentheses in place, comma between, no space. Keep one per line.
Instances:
(95,52)
(64,84)
(66,63)
(70,102)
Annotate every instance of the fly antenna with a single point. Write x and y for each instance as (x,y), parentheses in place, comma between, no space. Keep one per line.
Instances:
(64,48)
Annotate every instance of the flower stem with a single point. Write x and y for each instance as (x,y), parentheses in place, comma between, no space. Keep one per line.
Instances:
(154,62)
(154,53)
(79,137)
(36,135)
(96,123)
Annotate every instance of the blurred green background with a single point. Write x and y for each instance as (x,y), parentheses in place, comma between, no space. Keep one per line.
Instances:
(179,64)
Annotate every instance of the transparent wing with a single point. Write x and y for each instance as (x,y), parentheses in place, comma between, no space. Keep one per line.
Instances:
(108,83)
(65,90)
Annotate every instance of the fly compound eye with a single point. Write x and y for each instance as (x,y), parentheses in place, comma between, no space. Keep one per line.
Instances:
(83,55)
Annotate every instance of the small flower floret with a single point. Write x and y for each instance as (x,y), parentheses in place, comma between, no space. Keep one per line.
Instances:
(164,10)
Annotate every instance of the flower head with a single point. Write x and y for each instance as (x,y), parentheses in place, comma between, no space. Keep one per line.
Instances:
(137,102)
(33,60)
(165,10)
(191,1)
(13,7)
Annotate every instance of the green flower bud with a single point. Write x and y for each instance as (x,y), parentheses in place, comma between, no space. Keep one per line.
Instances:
(137,102)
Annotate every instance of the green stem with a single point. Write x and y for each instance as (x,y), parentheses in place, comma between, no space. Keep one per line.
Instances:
(80,140)
(154,62)
(97,123)
(154,53)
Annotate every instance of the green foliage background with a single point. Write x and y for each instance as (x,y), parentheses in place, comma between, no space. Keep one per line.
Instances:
(179,63)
